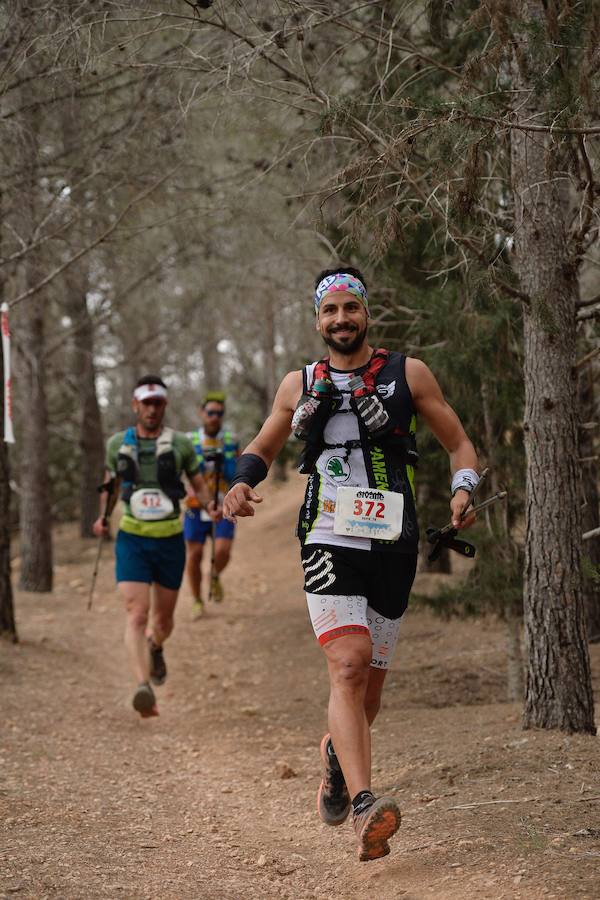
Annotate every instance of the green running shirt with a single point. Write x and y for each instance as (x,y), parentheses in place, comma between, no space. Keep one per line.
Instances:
(186,462)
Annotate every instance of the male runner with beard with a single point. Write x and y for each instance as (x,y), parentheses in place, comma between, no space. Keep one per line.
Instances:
(147,460)
(217,450)
(356,410)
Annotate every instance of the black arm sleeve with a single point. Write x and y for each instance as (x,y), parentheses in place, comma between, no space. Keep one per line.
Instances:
(250,469)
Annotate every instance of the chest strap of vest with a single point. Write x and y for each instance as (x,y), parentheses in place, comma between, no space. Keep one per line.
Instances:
(347,446)
(127,464)
(166,466)
(378,360)
(403,442)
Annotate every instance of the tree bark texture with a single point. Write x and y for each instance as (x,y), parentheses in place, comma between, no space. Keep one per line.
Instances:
(591,506)
(559,690)
(210,359)
(91,442)
(34,515)
(35,521)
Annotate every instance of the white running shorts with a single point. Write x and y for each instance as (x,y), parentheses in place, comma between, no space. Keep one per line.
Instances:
(334,615)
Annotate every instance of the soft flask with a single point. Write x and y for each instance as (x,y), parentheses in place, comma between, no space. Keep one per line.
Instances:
(308,407)
(368,406)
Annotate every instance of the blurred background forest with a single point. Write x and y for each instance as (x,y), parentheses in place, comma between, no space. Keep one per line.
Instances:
(174,174)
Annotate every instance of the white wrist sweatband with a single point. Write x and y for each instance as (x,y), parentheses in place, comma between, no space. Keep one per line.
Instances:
(464,480)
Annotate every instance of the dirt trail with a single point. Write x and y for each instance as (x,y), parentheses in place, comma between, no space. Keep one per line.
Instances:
(216,797)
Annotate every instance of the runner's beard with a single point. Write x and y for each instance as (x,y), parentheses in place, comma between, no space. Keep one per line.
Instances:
(152,426)
(351,346)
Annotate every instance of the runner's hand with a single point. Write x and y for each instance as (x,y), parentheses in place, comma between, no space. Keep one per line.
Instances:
(457,504)
(237,502)
(214,511)
(100,527)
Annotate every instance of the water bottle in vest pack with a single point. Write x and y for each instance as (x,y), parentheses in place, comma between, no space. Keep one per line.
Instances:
(369,406)
(312,408)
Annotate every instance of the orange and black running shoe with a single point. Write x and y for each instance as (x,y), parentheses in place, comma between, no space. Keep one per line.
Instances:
(333,799)
(374,825)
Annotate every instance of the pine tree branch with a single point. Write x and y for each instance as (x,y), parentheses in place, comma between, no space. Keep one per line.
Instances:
(522,126)
(588,199)
(592,313)
(588,356)
(498,281)
(406,46)
(590,302)
(95,243)
(126,292)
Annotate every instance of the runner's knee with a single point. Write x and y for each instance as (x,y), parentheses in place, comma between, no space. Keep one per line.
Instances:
(164,622)
(137,615)
(350,668)
(194,551)
(222,556)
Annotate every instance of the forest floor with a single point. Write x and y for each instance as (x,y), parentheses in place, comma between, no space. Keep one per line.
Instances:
(215,798)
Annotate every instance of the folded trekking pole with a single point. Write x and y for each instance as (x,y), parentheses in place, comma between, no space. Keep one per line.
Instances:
(110,488)
(447,536)
(218,459)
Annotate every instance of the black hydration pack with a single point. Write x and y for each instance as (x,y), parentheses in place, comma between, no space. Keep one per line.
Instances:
(167,474)
(375,417)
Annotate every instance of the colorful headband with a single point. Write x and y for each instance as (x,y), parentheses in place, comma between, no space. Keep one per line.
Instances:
(340,282)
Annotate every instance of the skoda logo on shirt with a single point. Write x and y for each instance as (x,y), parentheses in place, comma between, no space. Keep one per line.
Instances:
(386,390)
(338,469)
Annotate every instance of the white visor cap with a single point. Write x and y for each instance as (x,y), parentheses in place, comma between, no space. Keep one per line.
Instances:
(146,391)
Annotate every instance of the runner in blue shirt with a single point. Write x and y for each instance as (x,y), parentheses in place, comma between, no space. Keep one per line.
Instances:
(217,450)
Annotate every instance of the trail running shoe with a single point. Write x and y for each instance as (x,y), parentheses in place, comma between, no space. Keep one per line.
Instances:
(216,589)
(374,825)
(158,666)
(144,701)
(197,609)
(333,799)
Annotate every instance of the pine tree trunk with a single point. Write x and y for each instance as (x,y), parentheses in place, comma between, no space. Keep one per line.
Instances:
(559,690)
(92,451)
(35,521)
(90,422)
(210,355)
(591,503)
(34,517)
(270,356)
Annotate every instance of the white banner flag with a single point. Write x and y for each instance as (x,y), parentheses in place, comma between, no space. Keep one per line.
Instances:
(9,435)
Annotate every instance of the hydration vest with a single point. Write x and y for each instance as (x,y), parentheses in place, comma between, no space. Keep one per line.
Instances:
(390,456)
(403,440)
(230,451)
(167,474)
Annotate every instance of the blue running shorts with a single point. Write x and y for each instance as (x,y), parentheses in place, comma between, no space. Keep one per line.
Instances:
(195,529)
(150,560)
